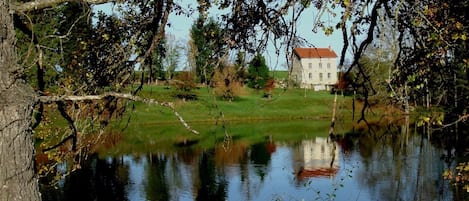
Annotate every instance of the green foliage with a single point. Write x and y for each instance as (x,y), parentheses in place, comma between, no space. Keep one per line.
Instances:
(164,60)
(240,62)
(155,66)
(377,68)
(209,41)
(48,42)
(258,72)
(100,59)
(429,116)
(71,53)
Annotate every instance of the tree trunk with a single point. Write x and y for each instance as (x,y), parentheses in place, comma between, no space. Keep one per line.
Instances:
(17,177)
(334,107)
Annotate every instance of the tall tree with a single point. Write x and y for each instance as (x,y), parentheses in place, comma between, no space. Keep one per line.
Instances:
(173,53)
(155,68)
(209,40)
(258,72)
(16,104)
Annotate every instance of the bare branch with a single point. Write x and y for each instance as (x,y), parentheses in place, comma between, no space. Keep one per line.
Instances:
(41,4)
(170,105)
(71,124)
(59,144)
(461,119)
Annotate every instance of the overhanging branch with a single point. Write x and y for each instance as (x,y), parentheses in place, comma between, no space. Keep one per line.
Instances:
(41,4)
(52,99)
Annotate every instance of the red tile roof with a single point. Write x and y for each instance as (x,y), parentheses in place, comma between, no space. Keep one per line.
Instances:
(314,52)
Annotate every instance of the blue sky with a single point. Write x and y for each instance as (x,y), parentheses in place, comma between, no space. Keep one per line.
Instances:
(180,26)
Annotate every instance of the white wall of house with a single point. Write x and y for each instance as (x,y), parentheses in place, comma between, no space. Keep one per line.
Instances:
(314,73)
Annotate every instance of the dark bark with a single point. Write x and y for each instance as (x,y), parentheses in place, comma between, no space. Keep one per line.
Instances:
(17,177)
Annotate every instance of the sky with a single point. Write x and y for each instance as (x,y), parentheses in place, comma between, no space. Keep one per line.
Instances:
(180,26)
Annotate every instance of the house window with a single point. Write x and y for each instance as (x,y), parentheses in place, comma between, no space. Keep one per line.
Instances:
(320,65)
(328,76)
(310,65)
(328,65)
(320,76)
(310,76)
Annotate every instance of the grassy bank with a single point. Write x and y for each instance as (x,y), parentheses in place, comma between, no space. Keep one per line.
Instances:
(290,115)
(287,104)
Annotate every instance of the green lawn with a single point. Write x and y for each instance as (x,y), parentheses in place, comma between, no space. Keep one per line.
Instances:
(290,115)
(279,75)
(284,105)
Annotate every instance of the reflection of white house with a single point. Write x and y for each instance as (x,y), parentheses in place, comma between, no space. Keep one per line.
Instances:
(314,68)
(318,158)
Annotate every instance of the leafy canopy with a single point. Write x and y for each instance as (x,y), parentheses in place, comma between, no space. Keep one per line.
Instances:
(258,72)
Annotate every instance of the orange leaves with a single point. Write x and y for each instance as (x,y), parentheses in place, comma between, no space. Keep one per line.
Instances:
(226,83)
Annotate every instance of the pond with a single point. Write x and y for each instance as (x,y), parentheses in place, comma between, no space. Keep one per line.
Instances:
(372,166)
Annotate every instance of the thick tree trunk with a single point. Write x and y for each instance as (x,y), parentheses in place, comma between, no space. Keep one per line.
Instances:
(17,177)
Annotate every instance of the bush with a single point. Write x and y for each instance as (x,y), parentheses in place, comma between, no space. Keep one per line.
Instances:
(258,72)
(185,85)
(226,83)
(268,88)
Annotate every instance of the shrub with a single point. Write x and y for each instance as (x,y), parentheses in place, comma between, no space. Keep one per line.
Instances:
(185,85)
(258,72)
(226,83)
(269,87)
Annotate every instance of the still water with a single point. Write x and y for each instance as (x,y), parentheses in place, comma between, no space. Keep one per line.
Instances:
(366,167)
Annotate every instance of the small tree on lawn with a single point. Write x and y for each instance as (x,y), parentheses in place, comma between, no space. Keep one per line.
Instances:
(226,83)
(258,72)
(185,86)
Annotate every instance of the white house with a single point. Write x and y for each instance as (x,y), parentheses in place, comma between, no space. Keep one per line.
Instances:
(314,68)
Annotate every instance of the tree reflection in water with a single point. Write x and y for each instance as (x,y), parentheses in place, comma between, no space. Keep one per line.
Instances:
(394,165)
(260,156)
(98,180)
(156,188)
(212,181)
(371,166)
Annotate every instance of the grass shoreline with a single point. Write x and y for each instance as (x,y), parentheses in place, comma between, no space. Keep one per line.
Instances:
(291,115)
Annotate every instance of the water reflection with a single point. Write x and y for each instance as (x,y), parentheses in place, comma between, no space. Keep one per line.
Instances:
(100,180)
(393,170)
(350,168)
(156,187)
(319,158)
